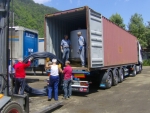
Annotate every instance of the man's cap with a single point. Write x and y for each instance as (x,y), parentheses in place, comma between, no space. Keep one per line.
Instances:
(79,33)
(67,62)
(54,60)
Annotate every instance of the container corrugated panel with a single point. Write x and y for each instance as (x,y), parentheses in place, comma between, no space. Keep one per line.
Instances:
(120,47)
(41,45)
(30,44)
(96,39)
(16,43)
(41,49)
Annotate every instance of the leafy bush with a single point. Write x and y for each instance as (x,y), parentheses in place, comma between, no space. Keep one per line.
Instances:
(146,62)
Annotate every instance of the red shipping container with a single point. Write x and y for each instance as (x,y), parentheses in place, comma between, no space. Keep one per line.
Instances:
(120,47)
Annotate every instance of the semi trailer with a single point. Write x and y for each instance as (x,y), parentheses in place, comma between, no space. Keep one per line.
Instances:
(112,53)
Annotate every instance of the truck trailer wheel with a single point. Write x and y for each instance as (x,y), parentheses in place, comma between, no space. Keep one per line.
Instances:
(121,75)
(134,72)
(115,77)
(109,80)
(140,68)
(12,107)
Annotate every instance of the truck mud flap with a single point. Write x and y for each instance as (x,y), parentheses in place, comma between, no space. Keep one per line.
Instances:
(103,77)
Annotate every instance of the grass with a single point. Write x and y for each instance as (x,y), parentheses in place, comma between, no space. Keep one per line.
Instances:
(146,62)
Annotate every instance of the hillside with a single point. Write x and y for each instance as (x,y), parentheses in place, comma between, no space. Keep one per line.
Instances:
(31,15)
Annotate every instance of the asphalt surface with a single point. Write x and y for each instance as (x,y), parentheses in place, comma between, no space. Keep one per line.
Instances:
(131,96)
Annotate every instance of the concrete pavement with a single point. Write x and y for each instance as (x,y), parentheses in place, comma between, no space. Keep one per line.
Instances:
(131,96)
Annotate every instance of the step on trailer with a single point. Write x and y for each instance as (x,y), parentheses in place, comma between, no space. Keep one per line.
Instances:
(112,52)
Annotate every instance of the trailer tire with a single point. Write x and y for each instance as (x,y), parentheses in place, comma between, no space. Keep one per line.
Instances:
(140,68)
(115,77)
(109,80)
(134,72)
(2,83)
(121,75)
(12,107)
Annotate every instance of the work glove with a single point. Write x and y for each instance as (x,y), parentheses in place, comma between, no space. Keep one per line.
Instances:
(30,59)
(62,50)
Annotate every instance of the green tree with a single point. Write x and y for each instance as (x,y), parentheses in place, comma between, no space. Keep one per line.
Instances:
(118,20)
(138,29)
(148,34)
(31,15)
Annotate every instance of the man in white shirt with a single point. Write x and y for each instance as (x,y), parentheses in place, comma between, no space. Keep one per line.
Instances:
(82,48)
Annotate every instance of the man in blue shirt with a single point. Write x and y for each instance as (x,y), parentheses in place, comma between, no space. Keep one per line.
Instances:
(82,47)
(65,48)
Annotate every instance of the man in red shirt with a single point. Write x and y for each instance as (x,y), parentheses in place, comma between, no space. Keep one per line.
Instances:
(20,75)
(67,80)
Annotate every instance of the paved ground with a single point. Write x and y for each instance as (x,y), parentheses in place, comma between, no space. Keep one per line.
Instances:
(131,96)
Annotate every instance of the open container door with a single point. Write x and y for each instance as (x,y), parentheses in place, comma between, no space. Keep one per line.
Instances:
(95,40)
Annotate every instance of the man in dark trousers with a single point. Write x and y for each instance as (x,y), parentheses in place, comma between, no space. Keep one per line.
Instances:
(65,48)
(20,75)
(67,80)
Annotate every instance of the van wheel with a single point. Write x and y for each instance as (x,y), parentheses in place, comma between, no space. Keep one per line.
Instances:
(109,80)
(12,107)
(115,77)
(121,75)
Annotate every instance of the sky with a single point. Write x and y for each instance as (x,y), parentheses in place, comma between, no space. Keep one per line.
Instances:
(126,8)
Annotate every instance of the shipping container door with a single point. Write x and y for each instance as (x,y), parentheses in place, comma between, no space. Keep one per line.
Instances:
(96,39)
(30,43)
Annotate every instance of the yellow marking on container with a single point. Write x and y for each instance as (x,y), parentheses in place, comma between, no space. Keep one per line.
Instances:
(1,96)
(120,49)
(13,36)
